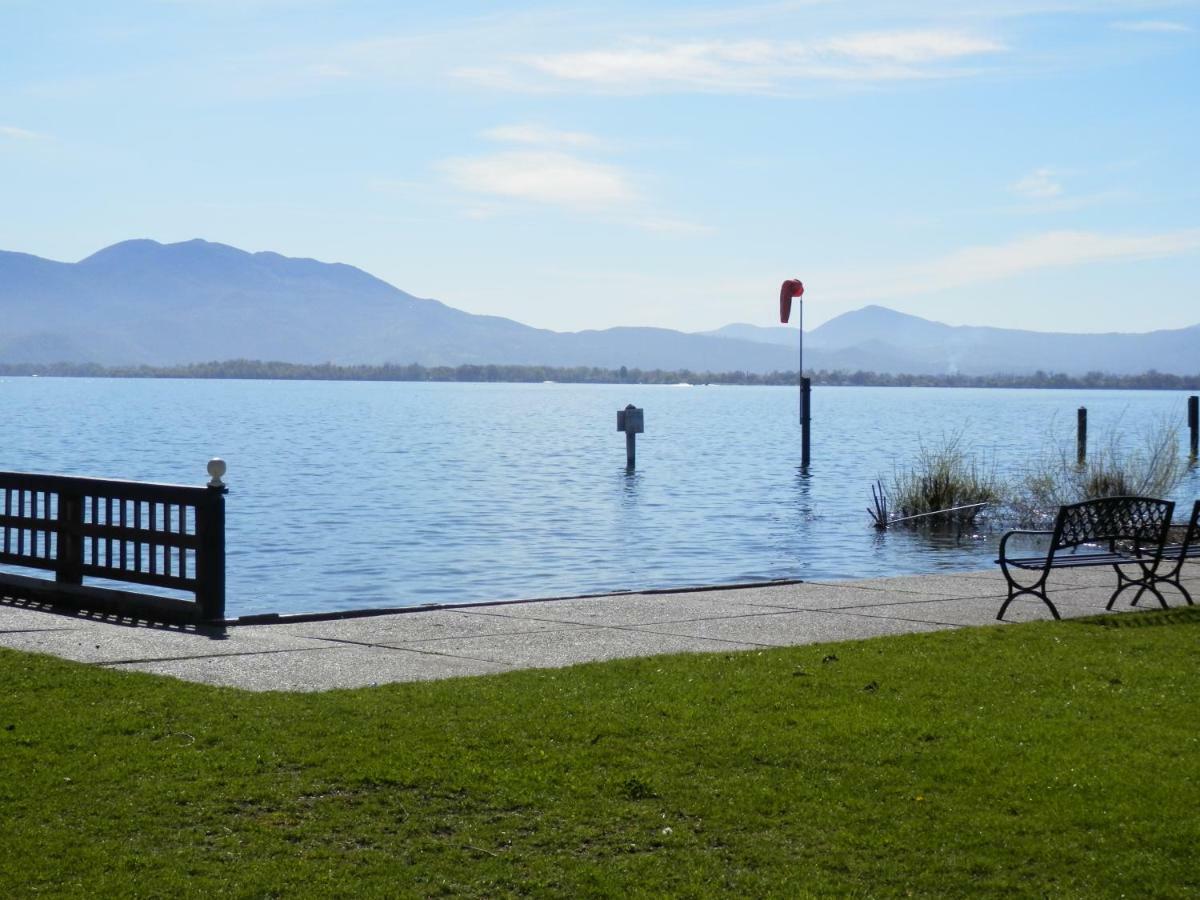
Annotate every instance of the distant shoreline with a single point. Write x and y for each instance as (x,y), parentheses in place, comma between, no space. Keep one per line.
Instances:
(519,374)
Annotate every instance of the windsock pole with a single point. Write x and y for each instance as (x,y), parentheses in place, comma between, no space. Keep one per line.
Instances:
(800,367)
(794,288)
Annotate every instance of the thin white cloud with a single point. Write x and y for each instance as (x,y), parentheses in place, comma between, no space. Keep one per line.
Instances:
(1056,249)
(669,225)
(19,134)
(1048,250)
(1153,26)
(540,136)
(549,177)
(1069,203)
(751,65)
(331,70)
(1040,184)
(914,47)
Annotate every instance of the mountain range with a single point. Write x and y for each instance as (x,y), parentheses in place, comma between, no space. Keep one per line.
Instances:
(141,301)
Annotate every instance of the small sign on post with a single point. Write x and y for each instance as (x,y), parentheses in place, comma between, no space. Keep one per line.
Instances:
(632,421)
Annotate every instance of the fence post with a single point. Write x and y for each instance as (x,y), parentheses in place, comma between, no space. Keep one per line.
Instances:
(1081,436)
(210,555)
(68,559)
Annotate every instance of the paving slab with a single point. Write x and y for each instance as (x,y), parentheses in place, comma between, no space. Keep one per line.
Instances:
(1065,577)
(640,609)
(788,629)
(814,596)
(330,667)
(978,611)
(423,625)
(553,649)
(1073,579)
(490,638)
(944,585)
(18,617)
(99,642)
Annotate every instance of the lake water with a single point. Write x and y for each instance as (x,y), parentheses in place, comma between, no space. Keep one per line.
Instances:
(355,495)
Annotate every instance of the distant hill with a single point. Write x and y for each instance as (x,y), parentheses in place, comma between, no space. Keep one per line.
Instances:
(776,334)
(883,340)
(166,304)
(162,304)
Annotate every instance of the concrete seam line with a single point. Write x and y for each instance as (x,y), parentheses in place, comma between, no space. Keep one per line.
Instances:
(162,659)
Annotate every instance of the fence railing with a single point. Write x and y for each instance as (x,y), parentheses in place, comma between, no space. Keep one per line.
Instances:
(162,535)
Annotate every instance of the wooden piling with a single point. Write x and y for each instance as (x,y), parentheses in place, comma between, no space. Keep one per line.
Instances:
(805,420)
(1081,436)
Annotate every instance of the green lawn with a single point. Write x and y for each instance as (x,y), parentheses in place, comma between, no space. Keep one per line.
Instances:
(1058,758)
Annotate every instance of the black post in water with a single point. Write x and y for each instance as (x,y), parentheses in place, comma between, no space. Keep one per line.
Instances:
(1081,436)
(631,420)
(805,419)
(1194,424)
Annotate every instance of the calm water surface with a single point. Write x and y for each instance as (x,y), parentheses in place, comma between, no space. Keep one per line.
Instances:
(352,495)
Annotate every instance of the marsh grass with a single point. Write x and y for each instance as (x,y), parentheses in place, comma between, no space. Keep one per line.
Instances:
(944,477)
(1151,465)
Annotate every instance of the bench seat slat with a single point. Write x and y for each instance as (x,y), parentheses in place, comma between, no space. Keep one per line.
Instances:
(1067,561)
(1176,551)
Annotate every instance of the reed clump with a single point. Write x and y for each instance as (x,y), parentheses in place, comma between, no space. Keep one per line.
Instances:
(1154,467)
(946,484)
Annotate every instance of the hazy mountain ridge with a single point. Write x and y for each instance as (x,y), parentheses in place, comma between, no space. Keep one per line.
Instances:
(885,340)
(144,302)
(141,301)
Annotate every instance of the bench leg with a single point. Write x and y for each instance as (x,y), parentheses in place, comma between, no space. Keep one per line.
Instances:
(1145,583)
(1173,581)
(1015,590)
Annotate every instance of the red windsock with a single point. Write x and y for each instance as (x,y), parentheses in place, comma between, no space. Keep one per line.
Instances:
(793,287)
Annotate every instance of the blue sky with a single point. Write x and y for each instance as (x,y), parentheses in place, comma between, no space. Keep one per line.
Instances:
(1009,162)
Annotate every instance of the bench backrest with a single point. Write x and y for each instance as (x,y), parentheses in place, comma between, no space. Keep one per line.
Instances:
(1191,537)
(1143,520)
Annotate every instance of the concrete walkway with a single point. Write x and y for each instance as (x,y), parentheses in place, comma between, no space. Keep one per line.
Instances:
(490,638)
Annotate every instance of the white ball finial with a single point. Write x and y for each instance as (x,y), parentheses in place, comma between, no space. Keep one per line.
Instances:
(216,468)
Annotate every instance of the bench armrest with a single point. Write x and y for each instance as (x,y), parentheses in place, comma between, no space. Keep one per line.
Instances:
(1020,531)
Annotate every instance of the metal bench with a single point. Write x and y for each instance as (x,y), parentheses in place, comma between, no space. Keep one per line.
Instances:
(1122,532)
(1175,555)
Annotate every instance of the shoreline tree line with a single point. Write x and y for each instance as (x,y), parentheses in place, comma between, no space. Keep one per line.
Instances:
(529,374)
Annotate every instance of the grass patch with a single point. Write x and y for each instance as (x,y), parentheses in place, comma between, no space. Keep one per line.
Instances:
(1049,758)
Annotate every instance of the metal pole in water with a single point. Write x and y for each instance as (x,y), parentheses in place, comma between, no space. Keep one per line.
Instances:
(1194,424)
(805,420)
(1081,436)
(794,288)
(800,365)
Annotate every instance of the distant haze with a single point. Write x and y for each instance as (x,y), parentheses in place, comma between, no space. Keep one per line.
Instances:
(163,304)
